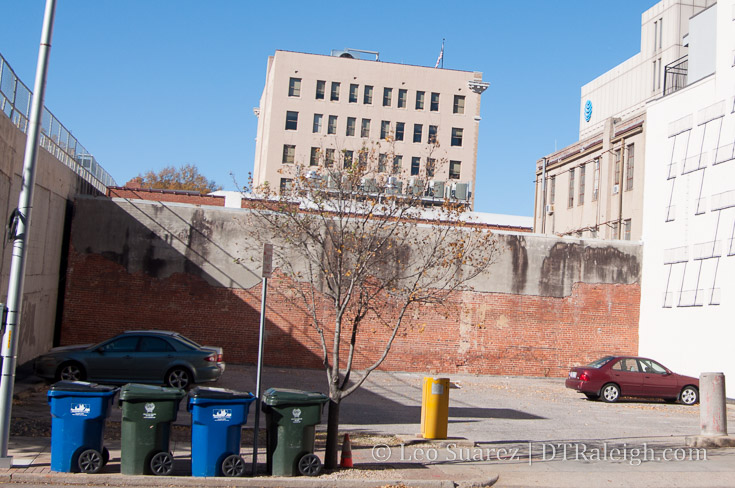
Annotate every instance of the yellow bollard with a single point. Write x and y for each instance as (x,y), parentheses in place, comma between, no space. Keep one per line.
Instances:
(435,408)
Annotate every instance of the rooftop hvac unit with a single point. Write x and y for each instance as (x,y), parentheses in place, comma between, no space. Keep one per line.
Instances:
(436,189)
(460,191)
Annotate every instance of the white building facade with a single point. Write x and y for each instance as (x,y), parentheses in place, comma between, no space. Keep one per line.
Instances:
(317,110)
(688,289)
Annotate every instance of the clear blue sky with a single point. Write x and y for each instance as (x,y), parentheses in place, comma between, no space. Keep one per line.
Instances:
(145,84)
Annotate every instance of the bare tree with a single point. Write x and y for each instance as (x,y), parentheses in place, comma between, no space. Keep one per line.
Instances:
(359,249)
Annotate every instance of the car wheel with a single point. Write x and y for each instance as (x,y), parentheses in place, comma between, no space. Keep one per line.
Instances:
(178,378)
(71,371)
(689,395)
(610,393)
(591,396)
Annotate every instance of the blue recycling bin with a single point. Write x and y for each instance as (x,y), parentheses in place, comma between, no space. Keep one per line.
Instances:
(78,413)
(217,417)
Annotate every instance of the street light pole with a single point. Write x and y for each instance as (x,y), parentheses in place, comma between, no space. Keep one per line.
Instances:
(265,274)
(21,225)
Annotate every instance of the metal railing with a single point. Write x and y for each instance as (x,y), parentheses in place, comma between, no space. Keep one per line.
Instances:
(15,102)
(675,75)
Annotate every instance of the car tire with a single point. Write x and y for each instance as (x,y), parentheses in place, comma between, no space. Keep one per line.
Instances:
(178,378)
(689,395)
(610,393)
(592,396)
(71,371)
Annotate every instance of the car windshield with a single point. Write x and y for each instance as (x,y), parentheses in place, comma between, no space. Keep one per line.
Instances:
(600,362)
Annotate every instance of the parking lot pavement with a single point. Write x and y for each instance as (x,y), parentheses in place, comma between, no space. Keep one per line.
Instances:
(530,431)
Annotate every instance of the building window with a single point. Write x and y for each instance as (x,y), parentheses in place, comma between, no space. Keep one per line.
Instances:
(430,167)
(570,204)
(348,158)
(616,166)
(458,107)
(365,128)
(455,168)
(457,136)
(415,166)
(317,124)
(351,121)
(382,162)
(332,124)
(596,180)
(286,184)
(292,120)
(402,96)
(432,134)
(367,96)
(417,130)
(626,229)
(334,94)
(384,129)
(420,100)
(399,130)
(397,162)
(321,86)
(289,152)
(552,190)
(614,231)
(329,158)
(434,107)
(582,173)
(629,167)
(353,92)
(314,157)
(387,97)
(294,87)
(362,156)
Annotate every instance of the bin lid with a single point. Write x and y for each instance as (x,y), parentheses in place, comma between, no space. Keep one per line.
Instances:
(135,391)
(81,386)
(219,393)
(284,396)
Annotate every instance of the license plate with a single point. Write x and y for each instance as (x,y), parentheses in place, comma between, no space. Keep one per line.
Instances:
(572,374)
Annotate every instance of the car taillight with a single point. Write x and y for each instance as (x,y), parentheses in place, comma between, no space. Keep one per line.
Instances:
(584,377)
(214,358)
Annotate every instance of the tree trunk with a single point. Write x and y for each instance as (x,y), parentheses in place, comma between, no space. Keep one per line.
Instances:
(330,456)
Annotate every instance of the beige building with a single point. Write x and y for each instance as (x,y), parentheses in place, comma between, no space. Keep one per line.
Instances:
(594,188)
(420,124)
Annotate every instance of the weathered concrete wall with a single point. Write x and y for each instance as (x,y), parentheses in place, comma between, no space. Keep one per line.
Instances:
(56,186)
(545,304)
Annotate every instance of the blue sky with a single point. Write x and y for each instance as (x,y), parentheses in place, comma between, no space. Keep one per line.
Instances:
(145,84)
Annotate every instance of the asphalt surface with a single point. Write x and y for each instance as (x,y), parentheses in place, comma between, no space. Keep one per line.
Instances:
(524,431)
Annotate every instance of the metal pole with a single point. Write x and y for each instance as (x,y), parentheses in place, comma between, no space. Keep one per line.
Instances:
(23,223)
(256,424)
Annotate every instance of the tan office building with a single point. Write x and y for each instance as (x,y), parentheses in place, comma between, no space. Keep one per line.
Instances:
(594,188)
(317,110)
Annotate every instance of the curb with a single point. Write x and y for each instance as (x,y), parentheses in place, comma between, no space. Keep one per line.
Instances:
(114,480)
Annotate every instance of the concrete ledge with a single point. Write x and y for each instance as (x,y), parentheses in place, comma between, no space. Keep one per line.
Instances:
(710,441)
(441,443)
(265,482)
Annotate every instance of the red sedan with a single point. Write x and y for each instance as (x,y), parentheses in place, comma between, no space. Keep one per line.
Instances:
(611,377)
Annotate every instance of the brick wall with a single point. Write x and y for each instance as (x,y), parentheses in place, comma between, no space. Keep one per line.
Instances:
(489,333)
(193,198)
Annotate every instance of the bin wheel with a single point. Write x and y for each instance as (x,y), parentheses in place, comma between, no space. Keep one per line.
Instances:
(162,464)
(105,456)
(90,461)
(310,465)
(233,465)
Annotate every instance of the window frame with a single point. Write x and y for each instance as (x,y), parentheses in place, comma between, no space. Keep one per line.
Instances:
(387,96)
(365,128)
(434,104)
(402,98)
(457,136)
(418,133)
(292,118)
(289,152)
(316,127)
(354,89)
(294,87)
(458,172)
(400,131)
(321,90)
(351,126)
(458,108)
(334,90)
(332,129)
(415,166)
(420,99)
(367,95)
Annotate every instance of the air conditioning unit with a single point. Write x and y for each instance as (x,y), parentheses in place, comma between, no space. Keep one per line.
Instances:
(415,187)
(549,208)
(332,182)
(616,189)
(436,189)
(460,191)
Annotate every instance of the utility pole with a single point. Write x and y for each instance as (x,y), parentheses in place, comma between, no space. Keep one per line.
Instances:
(265,274)
(21,226)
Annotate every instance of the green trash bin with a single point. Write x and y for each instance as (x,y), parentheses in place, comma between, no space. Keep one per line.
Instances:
(147,413)
(290,419)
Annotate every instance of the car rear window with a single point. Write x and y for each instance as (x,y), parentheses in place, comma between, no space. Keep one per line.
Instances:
(600,362)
